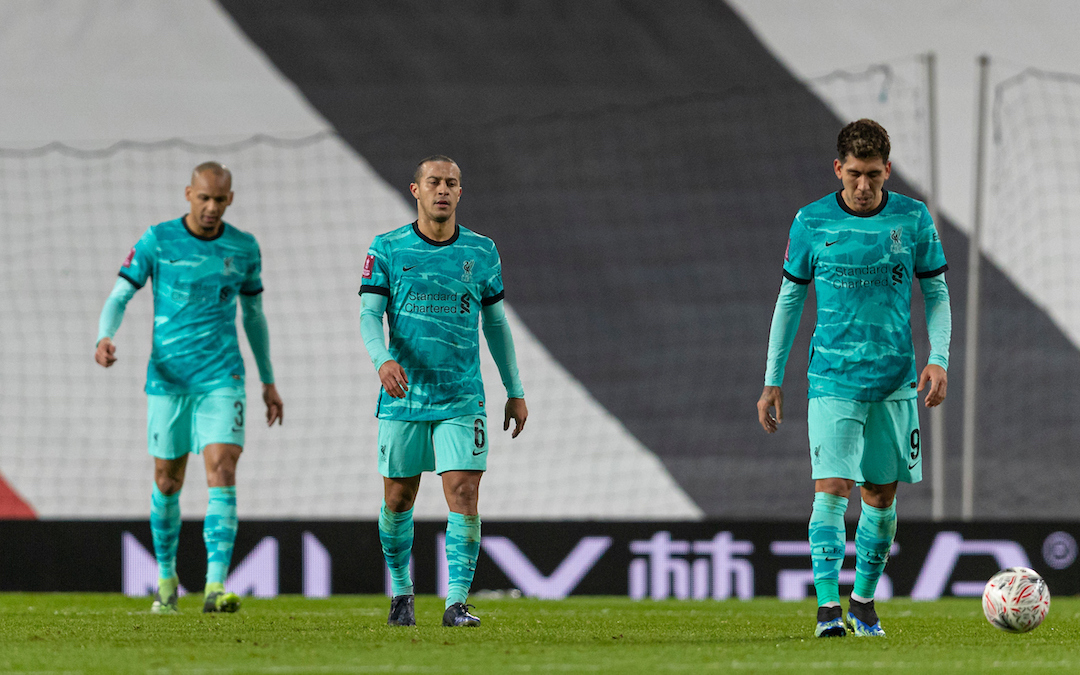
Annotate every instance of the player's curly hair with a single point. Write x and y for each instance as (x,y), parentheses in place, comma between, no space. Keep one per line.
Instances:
(419,173)
(863,139)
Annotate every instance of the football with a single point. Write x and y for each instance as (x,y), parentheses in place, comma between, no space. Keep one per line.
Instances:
(1016,600)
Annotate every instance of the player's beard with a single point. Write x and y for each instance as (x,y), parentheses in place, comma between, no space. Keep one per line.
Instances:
(440,217)
(209,226)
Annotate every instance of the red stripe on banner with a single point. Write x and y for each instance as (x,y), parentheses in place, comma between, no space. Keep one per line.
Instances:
(12,506)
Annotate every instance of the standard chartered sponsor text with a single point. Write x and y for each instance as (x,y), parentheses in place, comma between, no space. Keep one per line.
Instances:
(856,277)
(413,300)
(863,271)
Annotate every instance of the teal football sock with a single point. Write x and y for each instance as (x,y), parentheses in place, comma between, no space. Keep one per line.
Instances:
(396,537)
(873,539)
(219,532)
(462,550)
(827,539)
(165,529)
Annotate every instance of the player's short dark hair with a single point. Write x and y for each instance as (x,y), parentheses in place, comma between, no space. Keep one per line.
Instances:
(216,168)
(419,173)
(863,139)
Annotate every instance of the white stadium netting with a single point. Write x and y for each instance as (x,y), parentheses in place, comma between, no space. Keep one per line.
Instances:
(72,435)
(895,95)
(1033,217)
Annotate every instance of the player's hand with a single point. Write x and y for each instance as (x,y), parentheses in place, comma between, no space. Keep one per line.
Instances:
(939,382)
(275,408)
(106,352)
(518,411)
(771,397)
(393,378)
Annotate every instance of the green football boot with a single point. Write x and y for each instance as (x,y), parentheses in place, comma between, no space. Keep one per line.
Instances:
(220,600)
(166,600)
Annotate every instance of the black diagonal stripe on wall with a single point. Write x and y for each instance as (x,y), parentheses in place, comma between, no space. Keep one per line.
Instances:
(638,164)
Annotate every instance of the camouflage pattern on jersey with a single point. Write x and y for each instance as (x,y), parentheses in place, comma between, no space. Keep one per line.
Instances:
(196,282)
(862,267)
(435,291)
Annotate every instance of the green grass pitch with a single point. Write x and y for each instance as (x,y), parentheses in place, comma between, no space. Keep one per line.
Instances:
(90,633)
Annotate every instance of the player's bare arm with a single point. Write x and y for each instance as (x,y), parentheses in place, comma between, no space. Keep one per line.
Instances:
(771,397)
(515,410)
(393,378)
(106,353)
(939,383)
(275,408)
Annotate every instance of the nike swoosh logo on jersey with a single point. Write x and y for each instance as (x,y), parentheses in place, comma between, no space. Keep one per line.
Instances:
(477,454)
(912,466)
(830,243)
(406,269)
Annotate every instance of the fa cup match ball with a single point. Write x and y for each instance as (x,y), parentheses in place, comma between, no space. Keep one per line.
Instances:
(1016,600)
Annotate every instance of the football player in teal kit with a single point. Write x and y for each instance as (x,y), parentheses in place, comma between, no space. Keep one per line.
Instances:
(195,379)
(434,279)
(861,247)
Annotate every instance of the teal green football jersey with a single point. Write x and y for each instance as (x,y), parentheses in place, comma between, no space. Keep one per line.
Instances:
(862,265)
(195,282)
(434,294)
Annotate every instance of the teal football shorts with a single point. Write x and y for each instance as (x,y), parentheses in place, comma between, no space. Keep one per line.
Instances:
(867,442)
(181,423)
(408,449)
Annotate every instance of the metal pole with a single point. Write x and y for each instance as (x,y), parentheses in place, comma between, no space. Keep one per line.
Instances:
(971,356)
(937,414)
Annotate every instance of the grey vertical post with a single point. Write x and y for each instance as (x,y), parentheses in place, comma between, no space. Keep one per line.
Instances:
(937,414)
(971,342)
